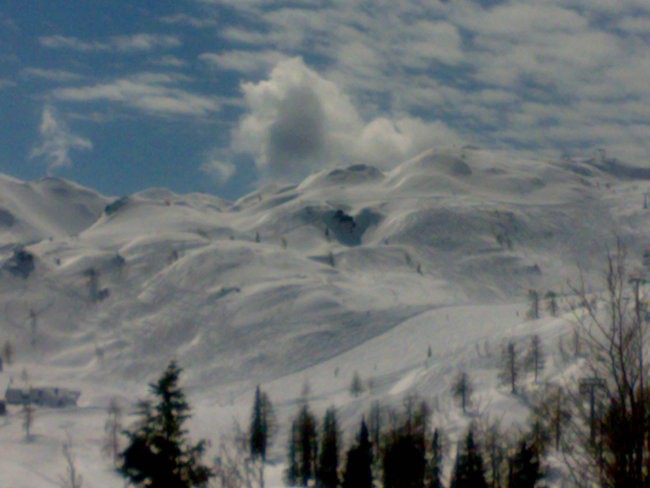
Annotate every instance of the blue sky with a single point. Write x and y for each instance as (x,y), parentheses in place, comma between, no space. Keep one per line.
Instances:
(224,95)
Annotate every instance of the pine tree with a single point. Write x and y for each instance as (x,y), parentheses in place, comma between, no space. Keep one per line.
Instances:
(261,429)
(159,454)
(262,425)
(358,468)
(525,470)
(356,386)
(462,389)
(328,460)
(469,471)
(306,445)
(292,471)
(434,467)
(404,459)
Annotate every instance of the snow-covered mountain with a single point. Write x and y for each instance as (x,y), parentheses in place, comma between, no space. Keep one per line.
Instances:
(352,269)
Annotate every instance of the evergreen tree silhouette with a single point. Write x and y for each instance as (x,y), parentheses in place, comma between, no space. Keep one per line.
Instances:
(159,454)
(525,470)
(328,461)
(469,471)
(358,468)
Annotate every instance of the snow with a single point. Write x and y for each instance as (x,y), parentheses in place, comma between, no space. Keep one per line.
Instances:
(420,268)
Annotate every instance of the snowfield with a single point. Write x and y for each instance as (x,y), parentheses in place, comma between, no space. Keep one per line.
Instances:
(354,269)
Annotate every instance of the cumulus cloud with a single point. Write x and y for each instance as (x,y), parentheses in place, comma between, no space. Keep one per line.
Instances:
(561,75)
(154,93)
(125,44)
(297,121)
(57,141)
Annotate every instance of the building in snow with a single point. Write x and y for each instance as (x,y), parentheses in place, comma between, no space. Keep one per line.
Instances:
(42,397)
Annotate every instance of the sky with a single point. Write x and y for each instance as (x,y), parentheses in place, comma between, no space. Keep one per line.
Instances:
(223,96)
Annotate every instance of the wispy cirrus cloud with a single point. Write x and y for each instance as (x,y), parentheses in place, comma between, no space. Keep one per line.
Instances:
(56,140)
(125,44)
(190,21)
(154,93)
(246,62)
(56,75)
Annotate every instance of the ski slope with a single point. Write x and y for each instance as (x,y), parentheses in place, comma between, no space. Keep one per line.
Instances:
(353,269)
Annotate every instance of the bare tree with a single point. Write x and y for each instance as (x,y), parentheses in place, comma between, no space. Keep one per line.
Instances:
(551,303)
(8,353)
(28,420)
(234,465)
(113,430)
(533,304)
(71,478)
(535,359)
(510,366)
(610,410)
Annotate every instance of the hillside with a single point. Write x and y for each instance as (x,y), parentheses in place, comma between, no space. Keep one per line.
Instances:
(352,269)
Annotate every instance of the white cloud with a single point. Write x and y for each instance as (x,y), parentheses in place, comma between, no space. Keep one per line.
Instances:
(56,140)
(57,75)
(221,171)
(6,83)
(169,62)
(155,93)
(125,44)
(189,20)
(513,72)
(298,121)
(249,62)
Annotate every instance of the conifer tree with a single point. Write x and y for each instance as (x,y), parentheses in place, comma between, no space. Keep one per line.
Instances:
(291,473)
(159,454)
(434,467)
(306,445)
(525,470)
(404,460)
(358,468)
(262,425)
(462,389)
(261,429)
(356,386)
(328,460)
(469,471)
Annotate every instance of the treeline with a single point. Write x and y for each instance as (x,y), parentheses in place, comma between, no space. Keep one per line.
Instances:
(403,450)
